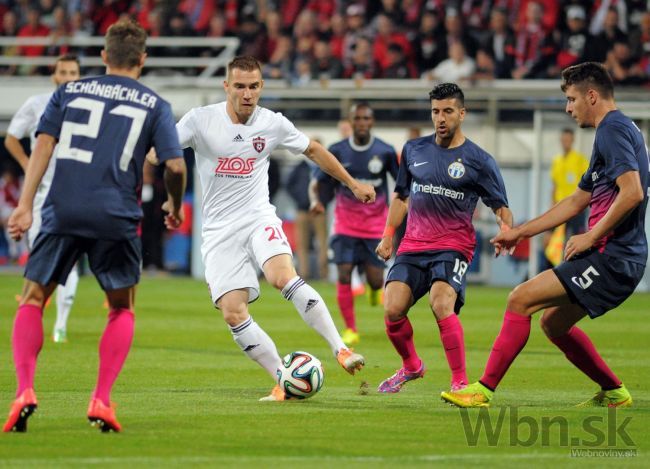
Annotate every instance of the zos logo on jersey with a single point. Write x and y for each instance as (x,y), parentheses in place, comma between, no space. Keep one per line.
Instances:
(234,165)
(375,165)
(456,170)
(259,143)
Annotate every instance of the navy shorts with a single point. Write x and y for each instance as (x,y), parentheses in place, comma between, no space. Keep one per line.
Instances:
(355,251)
(420,269)
(115,263)
(599,282)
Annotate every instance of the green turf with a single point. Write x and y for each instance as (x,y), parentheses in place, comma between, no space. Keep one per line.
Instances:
(188,396)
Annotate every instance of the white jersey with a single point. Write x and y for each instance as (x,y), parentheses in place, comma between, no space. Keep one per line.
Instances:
(23,124)
(233,160)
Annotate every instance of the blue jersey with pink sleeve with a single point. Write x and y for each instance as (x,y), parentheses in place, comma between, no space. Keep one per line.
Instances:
(618,148)
(443,186)
(371,164)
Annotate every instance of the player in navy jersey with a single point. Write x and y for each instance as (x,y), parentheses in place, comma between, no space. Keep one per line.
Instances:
(104,127)
(602,266)
(441,177)
(357,226)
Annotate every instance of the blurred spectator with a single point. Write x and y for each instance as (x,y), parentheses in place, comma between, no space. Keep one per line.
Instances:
(457,67)
(59,32)
(107,13)
(344,128)
(412,11)
(252,37)
(325,66)
(456,32)
(533,46)
(621,65)
(476,14)
(10,187)
(140,10)
(302,74)
(429,42)
(549,13)
(601,19)
(499,44)
(636,9)
(33,28)
(608,35)
(485,66)
(355,22)
(9,29)
(279,63)
(178,26)
(337,36)
(156,28)
(46,8)
(386,35)
(362,65)
(572,44)
(305,25)
(390,9)
(640,37)
(198,13)
(398,65)
(273,26)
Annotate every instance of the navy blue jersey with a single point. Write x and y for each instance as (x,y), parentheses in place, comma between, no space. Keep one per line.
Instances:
(618,148)
(104,126)
(443,186)
(369,164)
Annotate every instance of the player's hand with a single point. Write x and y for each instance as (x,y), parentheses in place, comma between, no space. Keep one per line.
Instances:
(175,215)
(498,248)
(316,208)
(364,192)
(506,240)
(19,222)
(385,248)
(152,157)
(577,244)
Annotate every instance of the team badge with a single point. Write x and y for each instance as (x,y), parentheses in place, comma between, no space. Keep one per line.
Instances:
(259,143)
(375,165)
(456,170)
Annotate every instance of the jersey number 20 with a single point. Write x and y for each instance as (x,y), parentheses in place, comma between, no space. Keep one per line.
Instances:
(91,130)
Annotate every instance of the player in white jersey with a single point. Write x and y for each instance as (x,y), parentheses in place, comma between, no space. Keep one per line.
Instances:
(23,124)
(232,141)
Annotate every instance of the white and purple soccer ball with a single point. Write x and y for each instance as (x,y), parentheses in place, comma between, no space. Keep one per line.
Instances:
(301,375)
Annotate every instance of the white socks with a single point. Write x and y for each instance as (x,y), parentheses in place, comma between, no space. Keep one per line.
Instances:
(313,311)
(259,347)
(64,298)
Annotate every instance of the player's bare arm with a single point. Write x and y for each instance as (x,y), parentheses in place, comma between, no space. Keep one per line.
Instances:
(16,150)
(558,214)
(504,220)
(315,205)
(21,219)
(629,196)
(396,213)
(175,181)
(330,165)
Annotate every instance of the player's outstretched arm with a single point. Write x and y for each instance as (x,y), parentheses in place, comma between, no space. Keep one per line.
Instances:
(175,180)
(504,220)
(16,150)
(315,205)
(631,194)
(329,164)
(396,213)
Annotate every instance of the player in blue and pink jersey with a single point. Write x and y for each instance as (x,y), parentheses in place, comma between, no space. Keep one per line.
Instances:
(441,177)
(104,127)
(602,266)
(357,226)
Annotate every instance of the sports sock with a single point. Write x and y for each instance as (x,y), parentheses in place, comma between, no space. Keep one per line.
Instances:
(313,311)
(114,347)
(346,304)
(511,340)
(256,343)
(26,342)
(400,333)
(580,351)
(64,298)
(451,335)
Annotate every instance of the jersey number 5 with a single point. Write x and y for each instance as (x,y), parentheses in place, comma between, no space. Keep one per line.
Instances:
(95,108)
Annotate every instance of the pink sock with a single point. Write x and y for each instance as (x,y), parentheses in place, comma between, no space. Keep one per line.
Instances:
(346,304)
(581,352)
(510,341)
(26,342)
(451,335)
(113,349)
(400,334)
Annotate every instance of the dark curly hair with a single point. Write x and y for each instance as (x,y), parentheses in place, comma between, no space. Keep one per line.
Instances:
(448,91)
(588,75)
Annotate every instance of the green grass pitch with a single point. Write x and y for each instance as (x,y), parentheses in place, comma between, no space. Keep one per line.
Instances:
(188,397)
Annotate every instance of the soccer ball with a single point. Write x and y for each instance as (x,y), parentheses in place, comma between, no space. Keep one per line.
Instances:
(301,375)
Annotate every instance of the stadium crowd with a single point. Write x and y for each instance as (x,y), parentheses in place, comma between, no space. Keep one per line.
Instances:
(303,40)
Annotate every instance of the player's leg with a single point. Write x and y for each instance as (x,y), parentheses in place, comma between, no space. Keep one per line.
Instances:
(442,299)
(374,268)
(398,298)
(345,300)
(542,291)
(64,299)
(559,326)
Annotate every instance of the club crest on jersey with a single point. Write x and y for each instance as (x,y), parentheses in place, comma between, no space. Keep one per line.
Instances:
(234,165)
(375,165)
(456,170)
(259,143)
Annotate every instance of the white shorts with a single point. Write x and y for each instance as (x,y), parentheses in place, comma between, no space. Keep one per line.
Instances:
(233,255)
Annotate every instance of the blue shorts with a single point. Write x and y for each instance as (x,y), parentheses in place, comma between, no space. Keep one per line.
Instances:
(355,251)
(598,282)
(115,263)
(420,269)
